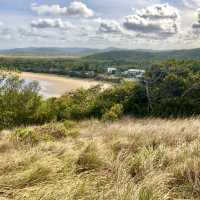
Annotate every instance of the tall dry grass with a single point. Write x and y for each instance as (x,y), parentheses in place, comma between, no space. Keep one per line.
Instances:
(132,159)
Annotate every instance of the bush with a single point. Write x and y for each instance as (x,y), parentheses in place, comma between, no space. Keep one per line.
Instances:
(114,113)
(53,131)
(69,124)
(32,136)
(18,101)
(25,136)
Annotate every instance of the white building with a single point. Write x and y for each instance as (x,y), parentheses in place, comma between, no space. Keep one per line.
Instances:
(136,72)
(111,70)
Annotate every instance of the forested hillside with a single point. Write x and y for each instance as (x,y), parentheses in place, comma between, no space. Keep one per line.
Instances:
(98,63)
(143,56)
(49,51)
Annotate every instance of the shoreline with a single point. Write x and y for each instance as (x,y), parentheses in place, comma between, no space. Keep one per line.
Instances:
(58,76)
(56,85)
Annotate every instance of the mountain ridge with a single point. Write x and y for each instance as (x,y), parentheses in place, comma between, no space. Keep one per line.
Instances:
(110,53)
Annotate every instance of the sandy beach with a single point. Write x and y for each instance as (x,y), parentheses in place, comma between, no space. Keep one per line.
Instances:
(55,86)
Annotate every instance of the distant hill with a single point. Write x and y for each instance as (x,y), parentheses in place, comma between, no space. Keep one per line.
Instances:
(49,51)
(111,54)
(139,56)
(57,51)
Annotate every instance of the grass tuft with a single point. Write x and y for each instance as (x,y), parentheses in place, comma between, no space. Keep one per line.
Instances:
(89,159)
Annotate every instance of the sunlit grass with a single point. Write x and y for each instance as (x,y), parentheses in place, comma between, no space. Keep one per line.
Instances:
(132,159)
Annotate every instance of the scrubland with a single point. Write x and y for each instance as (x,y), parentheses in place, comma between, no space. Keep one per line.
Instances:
(131,159)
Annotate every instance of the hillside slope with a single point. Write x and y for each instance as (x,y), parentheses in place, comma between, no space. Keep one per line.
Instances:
(49,51)
(129,159)
(145,56)
(108,54)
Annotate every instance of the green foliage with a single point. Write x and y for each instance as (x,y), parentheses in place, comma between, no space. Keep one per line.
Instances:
(46,112)
(18,101)
(69,124)
(169,89)
(32,136)
(174,89)
(114,113)
(26,136)
(77,104)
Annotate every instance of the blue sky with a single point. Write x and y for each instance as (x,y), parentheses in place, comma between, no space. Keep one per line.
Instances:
(152,24)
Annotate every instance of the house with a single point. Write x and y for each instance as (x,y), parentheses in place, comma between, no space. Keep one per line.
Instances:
(136,72)
(111,70)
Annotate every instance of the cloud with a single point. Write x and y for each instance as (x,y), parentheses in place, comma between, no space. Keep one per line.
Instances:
(6,33)
(79,8)
(31,33)
(110,26)
(51,23)
(196,25)
(191,3)
(160,19)
(159,11)
(75,8)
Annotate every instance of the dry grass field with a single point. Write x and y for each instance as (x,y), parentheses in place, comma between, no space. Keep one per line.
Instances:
(132,159)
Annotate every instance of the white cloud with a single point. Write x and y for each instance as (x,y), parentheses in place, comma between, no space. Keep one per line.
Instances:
(157,23)
(191,3)
(79,8)
(160,19)
(159,11)
(6,33)
(196,25)
(51,23)
(75,8)
(110,26)
(31,33)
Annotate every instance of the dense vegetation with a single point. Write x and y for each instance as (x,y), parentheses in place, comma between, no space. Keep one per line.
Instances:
(171,89)
(98,63)
(49,51)
(145,56)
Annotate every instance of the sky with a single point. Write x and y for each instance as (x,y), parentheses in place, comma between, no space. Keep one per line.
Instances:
(130,24)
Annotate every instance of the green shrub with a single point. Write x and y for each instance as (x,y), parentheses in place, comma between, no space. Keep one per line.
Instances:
(53,131)
(69,124)
(26,136)
(33,136)
(114,113)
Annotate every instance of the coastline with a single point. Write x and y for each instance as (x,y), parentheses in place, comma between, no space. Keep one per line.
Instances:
(57,77)
(56,85)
